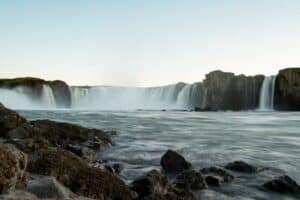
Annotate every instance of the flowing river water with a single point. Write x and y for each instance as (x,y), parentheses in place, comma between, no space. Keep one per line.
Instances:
(268,139)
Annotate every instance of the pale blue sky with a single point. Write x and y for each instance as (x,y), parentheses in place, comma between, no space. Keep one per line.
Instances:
(146,43)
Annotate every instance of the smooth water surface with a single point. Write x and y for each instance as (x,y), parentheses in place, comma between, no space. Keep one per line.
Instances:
(269,139)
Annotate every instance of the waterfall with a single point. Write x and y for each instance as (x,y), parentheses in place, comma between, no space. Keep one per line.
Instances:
(47,100)
(25,98)
(175,96)
(266,100)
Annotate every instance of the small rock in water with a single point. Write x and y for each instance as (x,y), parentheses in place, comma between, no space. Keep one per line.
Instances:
(190,179)
(282,184)
(241,166)
(219,172)
(118,167)
(172,162)
(213,181)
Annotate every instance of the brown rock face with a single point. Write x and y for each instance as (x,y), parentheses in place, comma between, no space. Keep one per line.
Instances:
(9,120)
(225,91)
(74,173)
(40,134)
(13,165)
(287,89)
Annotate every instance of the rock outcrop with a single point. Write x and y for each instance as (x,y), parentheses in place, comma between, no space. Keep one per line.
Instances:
(287,89)
(226,91)
(62,93)
(9,120)
(35,135)
(13,165)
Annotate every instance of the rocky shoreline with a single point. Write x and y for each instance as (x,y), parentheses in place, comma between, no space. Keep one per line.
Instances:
(44,159)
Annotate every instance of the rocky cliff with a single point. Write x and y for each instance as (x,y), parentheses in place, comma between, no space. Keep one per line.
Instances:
(226,91)
(287,89)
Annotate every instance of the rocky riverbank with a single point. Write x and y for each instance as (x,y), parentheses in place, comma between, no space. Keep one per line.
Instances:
(54,160)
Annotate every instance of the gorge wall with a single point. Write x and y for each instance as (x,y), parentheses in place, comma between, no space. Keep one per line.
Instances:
(218,91)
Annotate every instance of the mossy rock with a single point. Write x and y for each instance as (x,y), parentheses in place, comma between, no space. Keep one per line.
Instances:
(82,179)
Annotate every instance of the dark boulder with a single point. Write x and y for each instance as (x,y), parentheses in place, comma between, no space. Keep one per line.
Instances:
(190,179)
(282,184)
(152,183)
(241,166)
(155,185)
(172,162)
(9,120)
(219,172)
(287,90)
(13,165)
(213,181)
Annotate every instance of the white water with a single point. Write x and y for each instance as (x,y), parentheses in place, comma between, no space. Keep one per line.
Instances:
(176,96)
(21,98)
(266,100)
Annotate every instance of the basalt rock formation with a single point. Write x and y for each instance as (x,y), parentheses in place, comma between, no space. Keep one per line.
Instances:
(287,89)
(226,91)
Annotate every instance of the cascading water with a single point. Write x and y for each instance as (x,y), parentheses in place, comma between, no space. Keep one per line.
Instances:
(48,100)
(23,98)
(176,96)
(266,100)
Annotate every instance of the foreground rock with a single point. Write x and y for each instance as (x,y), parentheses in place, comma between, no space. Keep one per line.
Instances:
(49,187)
(13,164)
(215,176)
(190,179)
(155,185)
(35,135)
(283,184)
(241,166)
(74,173)
(172,162)
(9,120)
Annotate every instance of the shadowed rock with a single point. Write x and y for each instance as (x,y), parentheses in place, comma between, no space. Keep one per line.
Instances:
(155,185)
(283,184)
(172,162)
(190,179)
(219,172)
(241,166)
(9,120)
